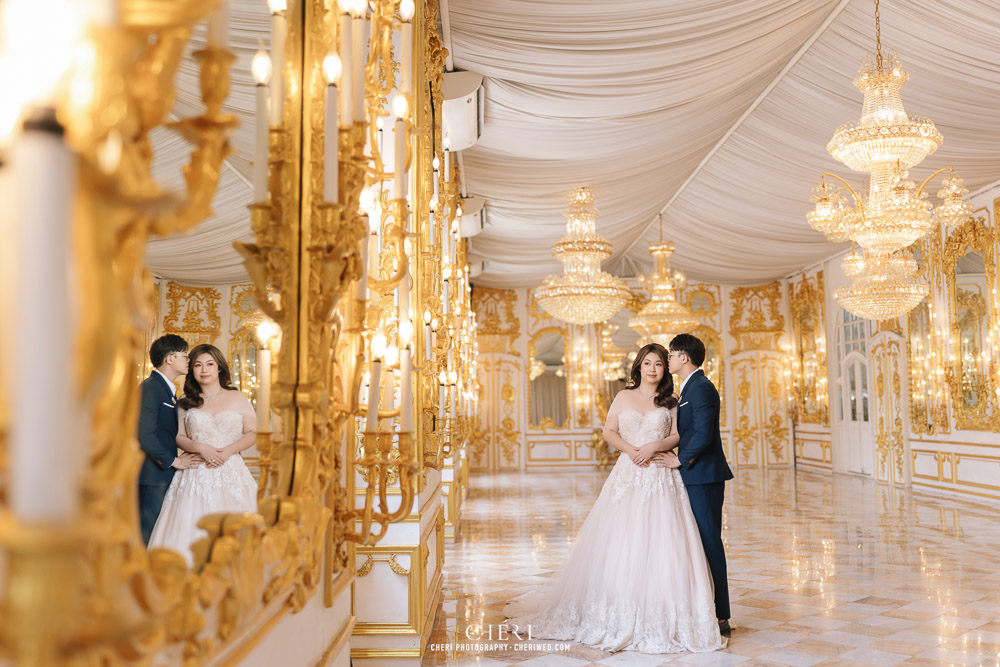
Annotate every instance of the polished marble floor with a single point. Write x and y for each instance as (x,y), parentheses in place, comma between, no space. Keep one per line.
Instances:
(824,570)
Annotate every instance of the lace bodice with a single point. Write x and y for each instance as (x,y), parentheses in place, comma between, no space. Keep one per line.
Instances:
(218,430)
(638,429)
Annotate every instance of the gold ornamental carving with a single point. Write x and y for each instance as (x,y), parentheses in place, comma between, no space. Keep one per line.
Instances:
(510,434)
(974,325)
(745,434)
(756,322)
(807,300)
(193,312)
(498,327)
(244,307)
(776,427)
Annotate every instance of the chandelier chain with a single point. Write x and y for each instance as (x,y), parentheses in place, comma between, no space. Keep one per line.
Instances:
(878,40)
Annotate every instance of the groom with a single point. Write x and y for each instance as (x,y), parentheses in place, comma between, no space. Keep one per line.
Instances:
(158,428)
(703,462)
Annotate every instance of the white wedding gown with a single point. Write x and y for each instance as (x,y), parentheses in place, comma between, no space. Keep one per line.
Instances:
(199,491)
(636,578)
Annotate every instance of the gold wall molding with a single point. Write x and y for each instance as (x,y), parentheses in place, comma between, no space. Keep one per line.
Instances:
(193,313)
(761,435)
(756,322)
(984,414)
(888,410)
(497,324)
(807,299)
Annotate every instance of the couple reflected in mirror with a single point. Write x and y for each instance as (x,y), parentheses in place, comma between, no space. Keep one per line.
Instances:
(211,423)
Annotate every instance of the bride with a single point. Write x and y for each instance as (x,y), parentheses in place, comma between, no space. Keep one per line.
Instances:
(216,422)
(636,577)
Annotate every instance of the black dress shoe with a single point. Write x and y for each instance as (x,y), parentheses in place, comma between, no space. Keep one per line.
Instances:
(724,628)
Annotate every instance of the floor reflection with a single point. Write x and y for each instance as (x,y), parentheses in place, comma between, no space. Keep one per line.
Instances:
(824,570)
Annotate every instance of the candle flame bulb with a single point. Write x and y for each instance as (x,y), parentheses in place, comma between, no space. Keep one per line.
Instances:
(261,67)
(378,345)
(333,67)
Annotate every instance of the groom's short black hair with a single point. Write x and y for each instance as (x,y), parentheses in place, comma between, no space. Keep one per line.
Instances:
(691,346)
(164,346)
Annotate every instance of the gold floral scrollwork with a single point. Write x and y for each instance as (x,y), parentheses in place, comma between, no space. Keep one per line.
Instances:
(193,312)
(975,325)
(498,327)
(806,301)
(366,567)
(756,322)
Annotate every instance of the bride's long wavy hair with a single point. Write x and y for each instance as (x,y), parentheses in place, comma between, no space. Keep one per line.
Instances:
(665,390)
(192,390)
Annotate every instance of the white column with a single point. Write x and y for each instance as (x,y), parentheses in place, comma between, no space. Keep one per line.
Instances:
(46,450)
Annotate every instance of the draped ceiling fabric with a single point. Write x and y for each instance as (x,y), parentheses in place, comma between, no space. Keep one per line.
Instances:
(643,101)
(716,111)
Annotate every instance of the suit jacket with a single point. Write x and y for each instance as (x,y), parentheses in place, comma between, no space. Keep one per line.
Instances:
(157,431)
(703,460)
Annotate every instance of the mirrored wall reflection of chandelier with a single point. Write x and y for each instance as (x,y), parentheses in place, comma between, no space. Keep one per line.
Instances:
(885,143)
(664,316)
(583,294)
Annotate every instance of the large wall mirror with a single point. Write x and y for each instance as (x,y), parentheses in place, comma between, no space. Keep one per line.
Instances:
(548,398)
(808,325)
(969,268)
(928,411)
(714,366)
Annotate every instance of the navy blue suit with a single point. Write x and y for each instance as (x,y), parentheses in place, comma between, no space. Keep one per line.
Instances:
(158,440)
(705,472)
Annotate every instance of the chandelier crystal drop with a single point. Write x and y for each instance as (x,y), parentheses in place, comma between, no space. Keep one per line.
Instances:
(583,294)
(664,316)
(895,212)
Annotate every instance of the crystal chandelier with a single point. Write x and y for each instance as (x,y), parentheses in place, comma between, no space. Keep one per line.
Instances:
(885,143)
(882,287)
(611,355)
(664,316)
(583,294)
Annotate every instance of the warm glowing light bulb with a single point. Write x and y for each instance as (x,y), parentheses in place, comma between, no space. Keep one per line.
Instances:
(443,378)
(405,332)
(427,317)
(400,106)
(332,68)
(261,67)
(435,163)
(378,345)
(267,330)
(391,355)
(406,9)
(277,6)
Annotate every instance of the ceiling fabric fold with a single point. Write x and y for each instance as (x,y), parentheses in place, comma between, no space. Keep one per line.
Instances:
(628,98)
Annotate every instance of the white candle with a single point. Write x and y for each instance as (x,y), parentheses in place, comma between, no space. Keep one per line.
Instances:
(406,8)
(347,80)
(260,146)
(331,166)
(279,28)
(263,389)
(430,228)
(404,298)
(358,62)
(427,343)
(45,452)
(406,392)
(454,392)
(373,396)
(218,26)
(451,247)
(447,160)
(399,161)
(447,296)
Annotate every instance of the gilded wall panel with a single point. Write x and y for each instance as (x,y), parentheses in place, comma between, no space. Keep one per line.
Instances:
(747,434)
(193,313)
(509,432)
(496,321)
(807,299)
(756,322)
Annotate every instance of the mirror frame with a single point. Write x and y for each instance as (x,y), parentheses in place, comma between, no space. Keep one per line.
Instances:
(548,424)
(808,296)
(708,334)
(973,236)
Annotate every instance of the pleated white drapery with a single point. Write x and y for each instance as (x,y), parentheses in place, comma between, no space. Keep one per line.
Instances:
(630,97)
(634,99)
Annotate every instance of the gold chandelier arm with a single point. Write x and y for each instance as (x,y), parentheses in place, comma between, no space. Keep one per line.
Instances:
(857,198)
(928,179)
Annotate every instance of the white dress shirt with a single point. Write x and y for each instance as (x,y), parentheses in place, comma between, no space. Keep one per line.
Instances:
(173,390)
